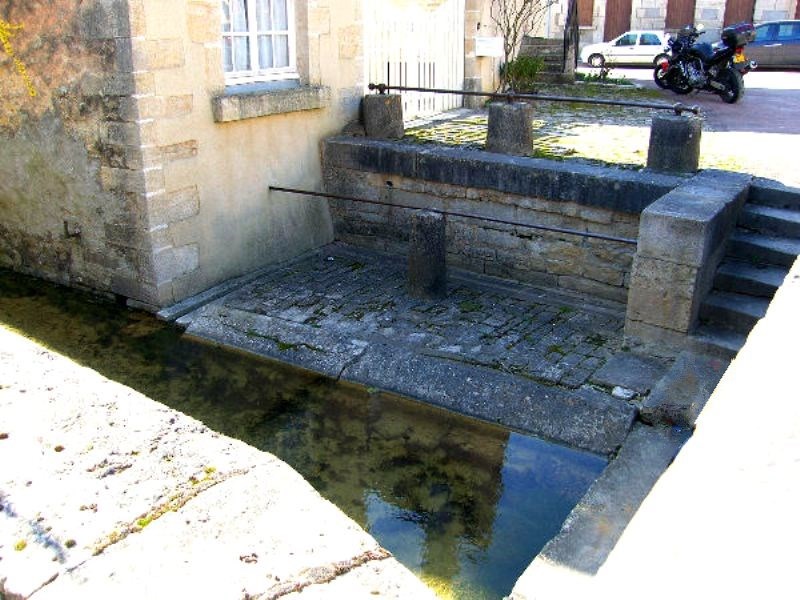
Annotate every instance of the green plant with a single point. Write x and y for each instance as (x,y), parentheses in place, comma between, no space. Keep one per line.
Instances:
(602,77)
(521,73)
(513,19)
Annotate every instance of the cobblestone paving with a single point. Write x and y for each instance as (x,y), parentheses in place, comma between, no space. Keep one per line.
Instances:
(590,133)
(546,337)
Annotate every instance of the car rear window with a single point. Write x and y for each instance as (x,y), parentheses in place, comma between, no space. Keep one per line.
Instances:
(650,39)
(789,31)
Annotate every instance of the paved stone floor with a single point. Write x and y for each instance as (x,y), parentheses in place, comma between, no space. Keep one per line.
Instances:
(545,337)
(345,313)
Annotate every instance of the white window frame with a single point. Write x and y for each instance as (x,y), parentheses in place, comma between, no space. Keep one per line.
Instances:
(256,73)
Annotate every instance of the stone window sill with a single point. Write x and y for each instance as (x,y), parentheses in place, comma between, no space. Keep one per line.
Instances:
(260,100)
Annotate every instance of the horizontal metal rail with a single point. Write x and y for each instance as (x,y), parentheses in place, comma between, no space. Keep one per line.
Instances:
(587,234)
(678,107)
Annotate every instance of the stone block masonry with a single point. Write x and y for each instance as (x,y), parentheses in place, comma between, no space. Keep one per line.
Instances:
(682,241)
(73,172)
(522,190)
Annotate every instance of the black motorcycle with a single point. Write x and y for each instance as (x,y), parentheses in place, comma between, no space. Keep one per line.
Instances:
(701,66)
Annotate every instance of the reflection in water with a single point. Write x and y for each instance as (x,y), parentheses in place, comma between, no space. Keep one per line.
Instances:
(464,504)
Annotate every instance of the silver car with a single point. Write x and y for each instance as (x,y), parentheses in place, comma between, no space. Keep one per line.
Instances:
(632,48)
(777,44)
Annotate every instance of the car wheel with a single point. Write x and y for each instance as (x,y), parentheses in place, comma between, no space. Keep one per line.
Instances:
(597,60)
(659,58)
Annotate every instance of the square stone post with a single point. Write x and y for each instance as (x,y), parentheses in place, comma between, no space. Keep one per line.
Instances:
(427,252)
(510,128)
(383,116)
(675,143)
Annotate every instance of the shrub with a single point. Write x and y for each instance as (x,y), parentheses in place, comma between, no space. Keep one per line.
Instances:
(521,73)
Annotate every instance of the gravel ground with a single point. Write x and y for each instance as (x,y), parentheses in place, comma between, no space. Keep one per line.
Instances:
(620,135)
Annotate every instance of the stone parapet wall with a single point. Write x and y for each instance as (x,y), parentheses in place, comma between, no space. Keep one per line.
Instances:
(526,191)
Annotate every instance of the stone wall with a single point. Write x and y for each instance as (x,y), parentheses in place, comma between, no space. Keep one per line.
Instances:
(528,191)
(70,164)
(136,171)
(214,150)
(651,14)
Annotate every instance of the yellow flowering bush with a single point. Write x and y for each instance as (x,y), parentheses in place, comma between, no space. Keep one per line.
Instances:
(7,31)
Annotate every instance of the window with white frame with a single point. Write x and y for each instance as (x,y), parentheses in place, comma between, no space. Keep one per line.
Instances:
(258,40)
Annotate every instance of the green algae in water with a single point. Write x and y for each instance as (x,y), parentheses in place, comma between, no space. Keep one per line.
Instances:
(463,504)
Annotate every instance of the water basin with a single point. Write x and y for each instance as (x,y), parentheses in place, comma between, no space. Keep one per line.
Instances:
(464,504)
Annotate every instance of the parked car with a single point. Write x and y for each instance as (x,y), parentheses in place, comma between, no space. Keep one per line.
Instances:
(777,44)
(632,47)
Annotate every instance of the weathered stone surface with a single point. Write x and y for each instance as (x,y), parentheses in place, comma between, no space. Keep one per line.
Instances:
(675,143)
(739,460)
(682,239)
(583,419)
(383,116)
(245,102)
(619,189)
(662,294)
(115,495)
(503,353)
(482,244)
(510,128)
(427,256)
(325,352)
(636,372)
(679,397)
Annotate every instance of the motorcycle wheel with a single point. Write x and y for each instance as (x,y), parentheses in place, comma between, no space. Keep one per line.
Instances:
(678,84)
(660,77)
(734,85)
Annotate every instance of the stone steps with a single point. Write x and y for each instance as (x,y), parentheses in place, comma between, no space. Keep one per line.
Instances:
(770,193)
(551,51)
(738,312)
(761,249)
(769,220)
(760,252)
(717,341)
(746,278)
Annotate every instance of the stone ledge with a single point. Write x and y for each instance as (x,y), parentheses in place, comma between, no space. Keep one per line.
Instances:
(592,185)
(251,102)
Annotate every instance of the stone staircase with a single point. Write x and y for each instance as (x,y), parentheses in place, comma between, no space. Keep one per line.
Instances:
(552,52)
(765,243)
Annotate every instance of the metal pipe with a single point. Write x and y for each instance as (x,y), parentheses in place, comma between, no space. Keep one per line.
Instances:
(599,236)
(678,107)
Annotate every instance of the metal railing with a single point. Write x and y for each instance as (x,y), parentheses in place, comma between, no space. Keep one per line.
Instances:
(678,108)
(563,230)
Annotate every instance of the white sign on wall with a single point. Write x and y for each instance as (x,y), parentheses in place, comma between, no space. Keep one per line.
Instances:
(489,46)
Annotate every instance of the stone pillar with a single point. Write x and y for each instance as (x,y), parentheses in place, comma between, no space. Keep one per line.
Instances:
(383,116)
(682,239)
(510,128)
(427,266)
(675,143)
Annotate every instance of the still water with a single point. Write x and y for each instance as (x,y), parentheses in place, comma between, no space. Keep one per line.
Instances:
(463,504)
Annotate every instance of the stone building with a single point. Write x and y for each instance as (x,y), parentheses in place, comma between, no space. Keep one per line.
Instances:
(141,166)
(602,20)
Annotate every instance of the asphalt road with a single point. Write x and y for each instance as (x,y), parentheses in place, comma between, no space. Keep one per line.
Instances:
(771,103)
(760,132)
